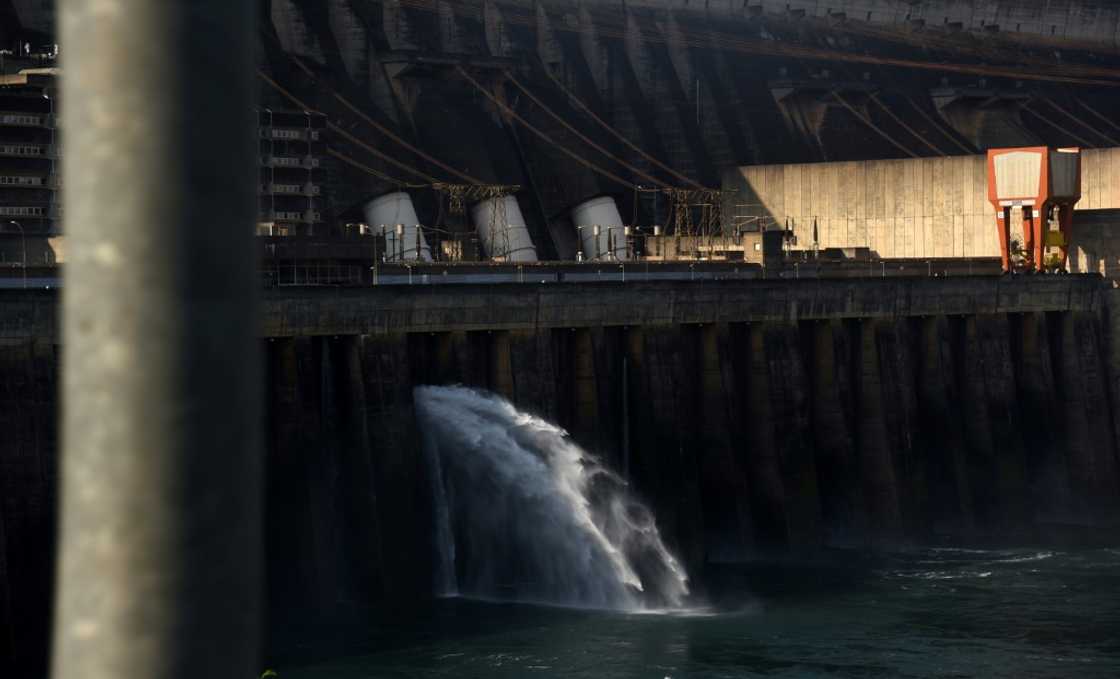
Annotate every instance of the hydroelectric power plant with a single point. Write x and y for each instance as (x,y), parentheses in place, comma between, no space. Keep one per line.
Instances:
(604,338)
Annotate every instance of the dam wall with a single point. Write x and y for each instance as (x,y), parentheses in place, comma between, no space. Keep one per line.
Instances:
(921,207)
(753,416)
(1071,20)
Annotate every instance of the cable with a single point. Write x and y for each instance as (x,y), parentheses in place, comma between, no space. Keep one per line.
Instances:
(383,156)
(335,128)
(867,121)
(875,98)
(586,109)
(386,131)
(576,132)
(941,128)
(513,114)
(1098,115)
(384,177)
(1081,122)
(1081,140)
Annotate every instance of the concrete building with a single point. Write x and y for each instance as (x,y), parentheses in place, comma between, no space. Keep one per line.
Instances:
(29,177)
(291,196)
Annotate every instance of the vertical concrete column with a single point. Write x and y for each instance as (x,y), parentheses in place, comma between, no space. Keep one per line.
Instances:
(1111,355)
(768,490)
(501,373)
(838,470)
(1040,422)
(160,538)
(1015,509)
(363,512)
(728,524)
(399,473)
(940,425)
(979,436)
(880,485)
(900,413)
(1092,458)
(533,372)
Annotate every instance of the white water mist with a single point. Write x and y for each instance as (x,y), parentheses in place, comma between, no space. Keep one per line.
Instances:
(527,515)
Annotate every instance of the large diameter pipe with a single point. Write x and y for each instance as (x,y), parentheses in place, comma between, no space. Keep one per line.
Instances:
(385,213)
(160,542)
(601,232)
(502,231)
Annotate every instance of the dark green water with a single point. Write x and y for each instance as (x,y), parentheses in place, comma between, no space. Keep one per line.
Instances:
(935,613)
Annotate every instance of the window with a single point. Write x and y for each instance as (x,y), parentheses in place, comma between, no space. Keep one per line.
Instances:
(21,181)
(19,119)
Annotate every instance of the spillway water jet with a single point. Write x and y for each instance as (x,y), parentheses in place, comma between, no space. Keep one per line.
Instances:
(531,516)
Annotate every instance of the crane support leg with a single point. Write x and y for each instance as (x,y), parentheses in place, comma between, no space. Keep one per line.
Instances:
(1003,227)
(1065,226)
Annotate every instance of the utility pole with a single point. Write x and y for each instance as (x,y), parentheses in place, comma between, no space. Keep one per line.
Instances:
(160,541)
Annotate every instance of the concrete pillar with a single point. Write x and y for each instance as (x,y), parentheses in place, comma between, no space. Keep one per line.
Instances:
(979,438)
(1015,510)
(587,414)
(160,547)
(1087,430)
(940,423)
(532,366)
(501,376)
(793,437)
(400,477)
(363,513)
(880,485)
(768,491)
(838,468)
(1048,474)
(728,523)
(908,448)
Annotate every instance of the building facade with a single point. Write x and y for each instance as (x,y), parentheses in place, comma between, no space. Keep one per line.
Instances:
(30,181)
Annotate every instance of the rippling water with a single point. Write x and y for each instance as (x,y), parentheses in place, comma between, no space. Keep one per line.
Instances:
(931,613)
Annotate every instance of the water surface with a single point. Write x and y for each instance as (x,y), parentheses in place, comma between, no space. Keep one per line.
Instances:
(928,613)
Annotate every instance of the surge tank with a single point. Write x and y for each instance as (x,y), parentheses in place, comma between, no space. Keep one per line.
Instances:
(601,233)
(384,214)
(502,231)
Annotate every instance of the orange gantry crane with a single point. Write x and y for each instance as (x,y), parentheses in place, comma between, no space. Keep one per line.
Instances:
(1045,184)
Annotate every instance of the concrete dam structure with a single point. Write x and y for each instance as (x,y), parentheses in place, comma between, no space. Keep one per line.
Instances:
(754,417)
(611,216)
(566,101)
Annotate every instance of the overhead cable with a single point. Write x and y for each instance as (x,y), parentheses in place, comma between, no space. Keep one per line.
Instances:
(867,121)
(386,131)
(909,129)
(586,109)
(369,170)
(1082,123)
(576,132)
(1098,115)
(338,130)
(513,114)
(1076,137)
(940,127)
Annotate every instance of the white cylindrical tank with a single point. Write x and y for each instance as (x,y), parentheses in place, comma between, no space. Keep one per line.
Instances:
(502,231)
(384,214)
(601,233)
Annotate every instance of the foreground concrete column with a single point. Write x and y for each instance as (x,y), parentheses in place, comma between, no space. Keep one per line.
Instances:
(160,536)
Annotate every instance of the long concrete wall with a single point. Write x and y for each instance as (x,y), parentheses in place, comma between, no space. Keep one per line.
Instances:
(922,207)
(293,312)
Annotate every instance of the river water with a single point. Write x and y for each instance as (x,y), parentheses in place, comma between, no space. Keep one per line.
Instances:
(922,613)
